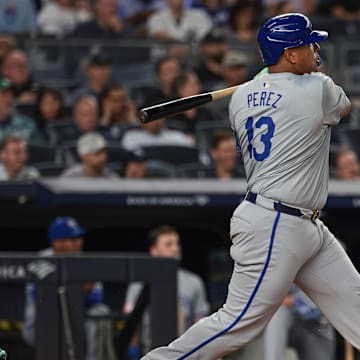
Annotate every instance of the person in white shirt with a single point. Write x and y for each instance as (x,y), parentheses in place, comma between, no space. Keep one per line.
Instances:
(60,17)
(176,22)
(153,133)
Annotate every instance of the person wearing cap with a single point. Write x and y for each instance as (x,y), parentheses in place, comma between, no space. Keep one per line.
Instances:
(66,237)
(91,148)
(135,166)
(235,68)
(234,71)
(212,51)
(12,123)
(97,70)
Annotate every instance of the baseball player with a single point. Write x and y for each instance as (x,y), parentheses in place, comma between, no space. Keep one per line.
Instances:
(282,121)
(164,241)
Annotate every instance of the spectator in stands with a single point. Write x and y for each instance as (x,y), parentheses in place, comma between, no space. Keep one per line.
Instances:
(17,17)
(299,323)
(136,12)
(60,17)
(175,22)
(92,151)
(15,68)
(49,109)
(66,237)
(12,123)
(84,119)
(118,112)
(106,22)
(282,7)
(135,166)
(13,157)
(243,23)
(188,84)
(97,69)
(348,10)
(130,8)
(277,7)
(224,157)
(7,44)
(166,69)
(235,71)
(213,49)
(164,241)
(346,165)
(217,10)
(153,133)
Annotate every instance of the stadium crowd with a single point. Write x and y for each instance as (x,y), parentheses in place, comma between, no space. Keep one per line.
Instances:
(74,74)
(207,45)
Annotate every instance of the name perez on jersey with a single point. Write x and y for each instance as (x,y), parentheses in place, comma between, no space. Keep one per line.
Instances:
(263,98)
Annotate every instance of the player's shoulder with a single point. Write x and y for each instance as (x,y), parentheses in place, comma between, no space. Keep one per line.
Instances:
(317,77)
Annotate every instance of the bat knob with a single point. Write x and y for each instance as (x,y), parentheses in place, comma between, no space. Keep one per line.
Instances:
(143,116)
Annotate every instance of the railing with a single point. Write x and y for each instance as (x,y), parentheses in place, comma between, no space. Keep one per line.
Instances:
(60,332)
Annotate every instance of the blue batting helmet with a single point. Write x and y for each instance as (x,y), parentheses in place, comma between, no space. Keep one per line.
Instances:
(284,32)
(64,227)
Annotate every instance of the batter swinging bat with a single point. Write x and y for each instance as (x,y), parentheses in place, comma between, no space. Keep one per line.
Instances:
(177,106)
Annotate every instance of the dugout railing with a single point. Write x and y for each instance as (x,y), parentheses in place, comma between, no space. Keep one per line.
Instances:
(59,282)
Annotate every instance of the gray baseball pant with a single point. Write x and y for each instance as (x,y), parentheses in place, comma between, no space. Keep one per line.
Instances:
(271,250)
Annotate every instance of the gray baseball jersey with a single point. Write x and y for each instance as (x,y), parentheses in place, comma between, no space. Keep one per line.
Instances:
(283,109)
(282,125)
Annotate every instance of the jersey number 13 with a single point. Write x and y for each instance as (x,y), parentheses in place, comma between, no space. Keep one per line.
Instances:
(265,138)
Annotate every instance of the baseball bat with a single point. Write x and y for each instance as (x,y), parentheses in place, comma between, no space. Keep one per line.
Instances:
(177,106)
(70,345)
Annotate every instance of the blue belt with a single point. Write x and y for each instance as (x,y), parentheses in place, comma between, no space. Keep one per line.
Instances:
(278,206)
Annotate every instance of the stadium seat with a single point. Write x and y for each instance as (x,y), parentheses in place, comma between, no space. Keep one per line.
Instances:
(26,109)
(49,169)
(39,153)
(204,132)
(55,128)
(172,154)
(193,170)
(134,74)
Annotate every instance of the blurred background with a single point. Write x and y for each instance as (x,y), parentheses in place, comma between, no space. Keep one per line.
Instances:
(79,174)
